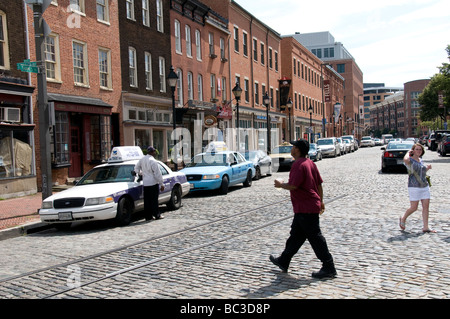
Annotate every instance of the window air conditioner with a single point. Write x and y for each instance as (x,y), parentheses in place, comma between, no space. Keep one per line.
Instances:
(10,114)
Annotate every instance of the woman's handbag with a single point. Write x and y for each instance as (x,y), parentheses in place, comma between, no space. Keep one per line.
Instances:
(428,180)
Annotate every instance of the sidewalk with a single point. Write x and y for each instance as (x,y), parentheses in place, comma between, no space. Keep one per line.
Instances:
(19,215)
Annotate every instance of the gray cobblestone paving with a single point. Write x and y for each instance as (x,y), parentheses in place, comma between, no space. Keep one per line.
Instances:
(374,259)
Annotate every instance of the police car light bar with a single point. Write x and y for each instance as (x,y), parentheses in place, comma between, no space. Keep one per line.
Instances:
(125,153)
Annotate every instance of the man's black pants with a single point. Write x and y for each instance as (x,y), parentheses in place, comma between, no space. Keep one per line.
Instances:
(306,226)
(151,207)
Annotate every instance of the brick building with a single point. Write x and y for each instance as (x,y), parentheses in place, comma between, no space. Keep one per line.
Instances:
(145,51)
(307,93)
(83,84)
(17,162)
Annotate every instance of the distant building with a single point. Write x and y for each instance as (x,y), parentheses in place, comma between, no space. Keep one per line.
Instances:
(324,46)
(375,93)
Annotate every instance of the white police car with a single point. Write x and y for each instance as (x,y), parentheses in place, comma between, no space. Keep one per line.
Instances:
(111,191)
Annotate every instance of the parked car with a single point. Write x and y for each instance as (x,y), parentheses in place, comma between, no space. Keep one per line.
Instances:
(329,146)
(378,142)
(261,161)
(315,153)
(444,145)
(110,191)
(423,139)
(436,138)
(431,137)
(393,154)
(352,140)
(348,146)
(281,156)
(218,171)
(342,144)
(367,141)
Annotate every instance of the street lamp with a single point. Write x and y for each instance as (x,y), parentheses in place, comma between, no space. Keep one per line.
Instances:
(172,79)
(266,101)
(311,137)
(289,106)
(237,91)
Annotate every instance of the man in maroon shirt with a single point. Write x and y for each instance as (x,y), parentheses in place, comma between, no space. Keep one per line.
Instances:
(305,185)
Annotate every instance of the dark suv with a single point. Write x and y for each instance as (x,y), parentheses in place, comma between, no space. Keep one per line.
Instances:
(436,138)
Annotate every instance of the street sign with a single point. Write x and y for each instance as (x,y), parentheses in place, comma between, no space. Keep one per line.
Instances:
(27,66)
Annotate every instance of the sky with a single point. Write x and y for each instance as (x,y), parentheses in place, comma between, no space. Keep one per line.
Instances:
(392,41)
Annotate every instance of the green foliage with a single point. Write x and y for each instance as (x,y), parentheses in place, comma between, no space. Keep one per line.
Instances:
(428,99)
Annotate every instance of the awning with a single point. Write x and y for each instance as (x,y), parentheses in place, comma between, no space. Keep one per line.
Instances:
(81,104)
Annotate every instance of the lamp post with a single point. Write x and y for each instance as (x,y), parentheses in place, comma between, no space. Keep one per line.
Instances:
(237,91)
(289,107)
(172,79)
(310,109)
(266,101)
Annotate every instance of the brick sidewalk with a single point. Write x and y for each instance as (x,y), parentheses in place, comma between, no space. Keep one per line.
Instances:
(19,211)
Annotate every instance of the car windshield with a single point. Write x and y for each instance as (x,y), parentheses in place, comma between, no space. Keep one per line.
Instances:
(325,142)
(209,159)
(250,155)
(282,149)
(399,146)
(366,138)
(108,174)
(312,147)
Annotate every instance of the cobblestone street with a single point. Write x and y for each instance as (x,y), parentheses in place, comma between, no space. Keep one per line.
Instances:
(230,258)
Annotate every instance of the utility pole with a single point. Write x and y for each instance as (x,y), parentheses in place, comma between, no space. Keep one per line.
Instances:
(40,30)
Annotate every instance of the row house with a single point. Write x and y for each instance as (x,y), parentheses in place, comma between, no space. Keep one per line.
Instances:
(399,113)
(82,68)
(200,59)
(316,93)
(17,161)
(145,51)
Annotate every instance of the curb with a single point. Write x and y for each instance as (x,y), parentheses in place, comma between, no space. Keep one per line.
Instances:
(23,230)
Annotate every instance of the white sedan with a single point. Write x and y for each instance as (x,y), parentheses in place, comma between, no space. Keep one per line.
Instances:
(110,191)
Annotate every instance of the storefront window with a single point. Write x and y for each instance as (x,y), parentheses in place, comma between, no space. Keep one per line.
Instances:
(62,138)
(142,139)
(16,154)
(100,137)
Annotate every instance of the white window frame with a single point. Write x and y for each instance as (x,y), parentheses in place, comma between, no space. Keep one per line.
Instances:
(162,74)
(180,87)
(56,62)
(105,6)
(106,72)
(4,45)
(84,67)
(200,87)
(130,9)
(213,86)
(177,30)
(145,13)
(198,44)
(187,30)
(148,71)
(77,6)
(190,86)
(159,16)
(132,66)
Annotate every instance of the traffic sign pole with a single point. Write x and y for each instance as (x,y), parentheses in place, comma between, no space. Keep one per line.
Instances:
(43,107)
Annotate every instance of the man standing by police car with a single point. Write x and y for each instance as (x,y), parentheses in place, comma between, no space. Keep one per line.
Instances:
(153,182)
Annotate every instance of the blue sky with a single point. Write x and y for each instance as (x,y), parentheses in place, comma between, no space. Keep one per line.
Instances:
(392,41)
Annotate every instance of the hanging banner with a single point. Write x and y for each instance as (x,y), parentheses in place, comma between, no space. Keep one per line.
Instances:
(327,90)
(337,111)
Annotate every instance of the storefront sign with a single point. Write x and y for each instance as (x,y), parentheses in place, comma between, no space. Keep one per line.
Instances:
(210,120)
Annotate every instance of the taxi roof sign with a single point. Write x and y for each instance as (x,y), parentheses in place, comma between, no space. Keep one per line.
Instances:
(125,153)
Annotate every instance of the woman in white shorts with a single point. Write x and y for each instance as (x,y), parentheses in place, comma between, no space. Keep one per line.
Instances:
(418,188)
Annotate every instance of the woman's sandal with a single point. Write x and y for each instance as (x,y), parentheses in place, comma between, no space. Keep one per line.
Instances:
(429,231)
(401,224)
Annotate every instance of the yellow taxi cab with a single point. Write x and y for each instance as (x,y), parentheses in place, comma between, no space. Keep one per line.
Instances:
(281,156)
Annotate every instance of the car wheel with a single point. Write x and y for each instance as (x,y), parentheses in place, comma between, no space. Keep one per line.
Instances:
(258,173)
(248,180)
(124,211)
(175,199)
(224,186)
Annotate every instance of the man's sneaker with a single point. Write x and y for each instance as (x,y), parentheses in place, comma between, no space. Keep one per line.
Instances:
(276,262)
(324,273)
